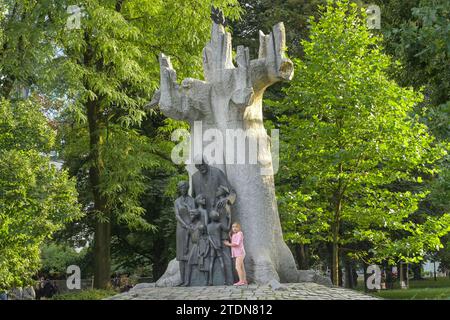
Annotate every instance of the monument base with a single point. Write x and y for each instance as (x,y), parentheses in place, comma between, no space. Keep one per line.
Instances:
(273,291)
(171,278)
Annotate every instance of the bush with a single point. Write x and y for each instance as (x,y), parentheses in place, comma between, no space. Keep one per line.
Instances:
(92,294)
(56,258)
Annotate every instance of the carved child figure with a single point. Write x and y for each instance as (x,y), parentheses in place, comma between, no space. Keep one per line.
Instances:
(215,229)
(200,202)
(203,244)
(196,230)
(223,207)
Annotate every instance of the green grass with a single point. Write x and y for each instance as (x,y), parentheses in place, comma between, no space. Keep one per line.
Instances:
(418,290)
(92,294)
(430,283)
(415,294)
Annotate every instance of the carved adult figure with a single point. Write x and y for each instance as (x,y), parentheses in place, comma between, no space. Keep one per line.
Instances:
(206,181)
(215,229)
(183,204)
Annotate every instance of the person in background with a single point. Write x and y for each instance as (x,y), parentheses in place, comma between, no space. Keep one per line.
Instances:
(3,295)
(15,293)
(28,293)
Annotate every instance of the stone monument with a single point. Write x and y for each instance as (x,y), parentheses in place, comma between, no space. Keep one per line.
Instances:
(230,98)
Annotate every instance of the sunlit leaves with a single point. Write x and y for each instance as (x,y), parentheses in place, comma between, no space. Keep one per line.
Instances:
(35,198)
(349,139)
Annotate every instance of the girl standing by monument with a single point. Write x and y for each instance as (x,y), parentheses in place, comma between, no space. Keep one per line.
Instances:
(238,252)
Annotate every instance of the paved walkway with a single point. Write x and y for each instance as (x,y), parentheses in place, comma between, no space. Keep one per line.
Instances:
(292,291)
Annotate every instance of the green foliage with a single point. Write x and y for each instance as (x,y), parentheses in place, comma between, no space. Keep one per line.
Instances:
(93,294)
(420,41)
(416,33)
(125,153)
(56,258)
(24,127)
(26,49)
(113,57)
(349,137)
(35,198)
(263,15)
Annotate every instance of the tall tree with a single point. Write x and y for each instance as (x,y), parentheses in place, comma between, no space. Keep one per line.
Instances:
(350,138)
(35,198)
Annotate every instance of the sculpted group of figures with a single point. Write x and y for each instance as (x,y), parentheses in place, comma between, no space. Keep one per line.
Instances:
(203,225)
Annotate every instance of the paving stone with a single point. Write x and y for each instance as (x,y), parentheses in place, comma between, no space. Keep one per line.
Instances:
(292,291)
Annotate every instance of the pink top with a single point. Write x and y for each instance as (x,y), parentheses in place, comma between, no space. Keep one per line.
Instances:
(237,244)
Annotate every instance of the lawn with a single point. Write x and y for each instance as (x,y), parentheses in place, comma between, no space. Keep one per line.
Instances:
(92,294)
(415,294)
(418,290)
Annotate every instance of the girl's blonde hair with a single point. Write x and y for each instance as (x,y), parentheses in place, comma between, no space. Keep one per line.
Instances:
(230,234)
(237,225)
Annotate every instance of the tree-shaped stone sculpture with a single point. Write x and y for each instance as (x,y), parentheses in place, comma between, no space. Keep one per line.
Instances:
(230,98)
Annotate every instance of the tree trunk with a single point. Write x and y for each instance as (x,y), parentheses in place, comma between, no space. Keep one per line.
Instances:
(349,274)
(366,275)
(417,271)
(102,257)
(159,259)
(434,268)
(335,232)
(355,276)
(402,273)
(389,277)
(335,229)
(335,264)
(302,256)
(102,237)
